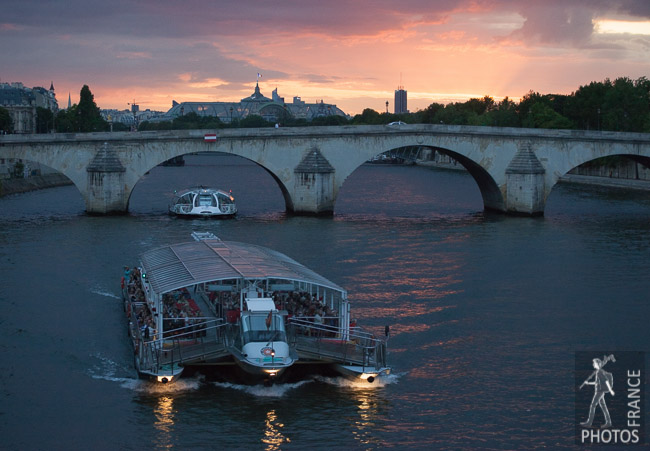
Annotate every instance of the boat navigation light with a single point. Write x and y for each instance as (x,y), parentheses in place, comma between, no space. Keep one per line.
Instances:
(163,379)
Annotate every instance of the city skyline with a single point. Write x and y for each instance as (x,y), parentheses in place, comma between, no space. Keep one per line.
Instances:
(352,54)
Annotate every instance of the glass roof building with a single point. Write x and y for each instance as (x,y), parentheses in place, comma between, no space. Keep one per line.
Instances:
(271,109)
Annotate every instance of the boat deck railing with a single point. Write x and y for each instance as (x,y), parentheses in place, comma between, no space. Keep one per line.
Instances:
(326,342)
(185,345)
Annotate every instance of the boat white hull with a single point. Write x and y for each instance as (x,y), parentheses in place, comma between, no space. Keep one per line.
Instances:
(261,372)
(264,367)
(163,375)
(200,212)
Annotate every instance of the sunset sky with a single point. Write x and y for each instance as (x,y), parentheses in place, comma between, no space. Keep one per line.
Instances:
(350,53)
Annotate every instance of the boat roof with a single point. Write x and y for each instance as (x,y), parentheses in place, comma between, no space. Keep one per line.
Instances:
(201,189)
(181,265)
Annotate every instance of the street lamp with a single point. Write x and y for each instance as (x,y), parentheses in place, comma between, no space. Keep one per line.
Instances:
(598,119)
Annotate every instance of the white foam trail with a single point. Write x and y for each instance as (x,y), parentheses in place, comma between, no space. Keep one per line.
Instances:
(100,292)
(380,381)
(106,369)
(262,391)
(155,388)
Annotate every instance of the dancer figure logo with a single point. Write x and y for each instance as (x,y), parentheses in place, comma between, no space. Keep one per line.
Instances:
(607,418)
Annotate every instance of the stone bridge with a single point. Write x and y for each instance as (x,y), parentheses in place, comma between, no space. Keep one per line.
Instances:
(515,169)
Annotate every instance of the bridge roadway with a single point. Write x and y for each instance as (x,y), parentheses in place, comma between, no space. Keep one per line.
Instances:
(515,169)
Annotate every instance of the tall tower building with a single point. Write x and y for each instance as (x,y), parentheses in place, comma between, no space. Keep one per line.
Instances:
(400,100)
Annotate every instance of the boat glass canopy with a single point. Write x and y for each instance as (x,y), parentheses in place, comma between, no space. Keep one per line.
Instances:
(180,265)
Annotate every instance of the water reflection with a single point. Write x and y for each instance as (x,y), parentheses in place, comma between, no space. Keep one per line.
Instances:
(164,424)
(364,426)
(273,437)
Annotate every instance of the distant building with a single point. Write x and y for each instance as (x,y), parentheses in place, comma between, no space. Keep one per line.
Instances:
(131,117)
(400,100)
(21,102)
(273,110)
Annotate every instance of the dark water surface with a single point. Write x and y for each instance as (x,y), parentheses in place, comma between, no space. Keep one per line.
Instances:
(486,312)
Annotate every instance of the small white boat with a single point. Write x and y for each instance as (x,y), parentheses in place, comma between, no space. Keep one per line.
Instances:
(202,201)
(242,311)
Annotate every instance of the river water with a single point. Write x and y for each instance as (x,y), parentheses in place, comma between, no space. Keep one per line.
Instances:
(486,314)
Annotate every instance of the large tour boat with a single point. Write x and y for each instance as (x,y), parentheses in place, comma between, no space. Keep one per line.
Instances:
(202,201)
(248,312)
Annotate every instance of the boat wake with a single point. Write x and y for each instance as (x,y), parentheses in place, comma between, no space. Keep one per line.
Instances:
(108,370)
(154,388)
(262,391)
(101,292)
(379,382)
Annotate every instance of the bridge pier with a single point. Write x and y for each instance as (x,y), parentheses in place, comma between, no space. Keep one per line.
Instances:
(313,190)
(106,193)
(525,184)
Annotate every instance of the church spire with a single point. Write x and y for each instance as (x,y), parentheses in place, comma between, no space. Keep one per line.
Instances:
(51,86)
(69,102)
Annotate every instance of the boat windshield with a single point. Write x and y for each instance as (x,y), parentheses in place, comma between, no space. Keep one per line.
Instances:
(225,199)
(205,200)
(255,328)
(185,199)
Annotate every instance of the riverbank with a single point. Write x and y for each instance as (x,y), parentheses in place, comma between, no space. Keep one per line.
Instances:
(606,181)
(597,178)
(35,182)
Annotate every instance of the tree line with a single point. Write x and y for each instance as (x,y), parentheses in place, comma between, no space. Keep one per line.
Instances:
(619,105)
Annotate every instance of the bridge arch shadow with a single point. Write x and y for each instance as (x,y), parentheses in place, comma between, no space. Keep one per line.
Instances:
(490,192)
(613,165)
(615,170)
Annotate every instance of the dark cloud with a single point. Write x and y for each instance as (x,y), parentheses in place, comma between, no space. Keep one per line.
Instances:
(545,21)
(557,24)
(213,18)
(570,22)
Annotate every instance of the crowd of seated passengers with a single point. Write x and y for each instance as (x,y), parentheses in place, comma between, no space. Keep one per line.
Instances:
(223,302)
(133,284)
(298,304)
(146,325)
(303,305)
(180,316)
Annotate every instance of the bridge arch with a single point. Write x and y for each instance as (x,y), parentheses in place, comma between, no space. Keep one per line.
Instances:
(491,193)
(178,151)
(43,156)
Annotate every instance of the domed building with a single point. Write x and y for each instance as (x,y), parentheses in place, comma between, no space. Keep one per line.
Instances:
(271,109)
